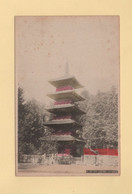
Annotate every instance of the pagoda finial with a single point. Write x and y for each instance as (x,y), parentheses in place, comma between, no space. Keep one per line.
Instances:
(67,69)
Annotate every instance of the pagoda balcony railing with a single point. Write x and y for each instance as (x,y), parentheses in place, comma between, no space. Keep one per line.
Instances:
(63,121)
(62,102)
(62,117)
(62,133)
(64,88)
(66,95)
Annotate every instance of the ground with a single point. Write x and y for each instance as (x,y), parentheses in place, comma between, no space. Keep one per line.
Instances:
(67,170)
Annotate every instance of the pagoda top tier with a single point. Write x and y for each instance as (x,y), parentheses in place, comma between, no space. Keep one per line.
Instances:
(67,80)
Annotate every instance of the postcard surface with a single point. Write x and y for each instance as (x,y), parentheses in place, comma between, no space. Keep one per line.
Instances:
(67,95)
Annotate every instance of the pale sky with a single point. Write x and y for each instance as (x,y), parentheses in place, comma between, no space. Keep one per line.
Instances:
(44,45)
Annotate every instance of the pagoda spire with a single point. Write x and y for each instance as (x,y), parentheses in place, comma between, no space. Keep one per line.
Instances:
(67,69)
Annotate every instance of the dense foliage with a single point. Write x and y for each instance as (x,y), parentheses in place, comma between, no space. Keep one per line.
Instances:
(31,116)
(100,123)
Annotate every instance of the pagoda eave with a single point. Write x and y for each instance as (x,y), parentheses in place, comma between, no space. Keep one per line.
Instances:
(65,109)
(66,95)
(60,138)
(68,122)
(65,81)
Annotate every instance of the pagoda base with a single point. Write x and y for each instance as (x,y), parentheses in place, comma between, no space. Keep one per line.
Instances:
(74,149)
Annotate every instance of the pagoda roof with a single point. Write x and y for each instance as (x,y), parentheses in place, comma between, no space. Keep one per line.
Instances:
(65,81)
(62,122)
(66,95)
(66,108)
(61,138)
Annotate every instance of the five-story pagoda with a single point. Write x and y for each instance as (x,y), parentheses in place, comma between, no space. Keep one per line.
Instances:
(65,121)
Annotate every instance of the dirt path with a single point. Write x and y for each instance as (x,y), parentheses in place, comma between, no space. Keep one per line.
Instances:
(44,170)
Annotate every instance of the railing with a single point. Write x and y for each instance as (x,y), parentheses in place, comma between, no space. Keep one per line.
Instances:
(64,88)
(62,133)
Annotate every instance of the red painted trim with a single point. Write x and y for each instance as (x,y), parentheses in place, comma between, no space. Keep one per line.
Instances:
(64,88)
(112,152)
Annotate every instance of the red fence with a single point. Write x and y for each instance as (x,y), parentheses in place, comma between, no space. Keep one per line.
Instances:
(112,152)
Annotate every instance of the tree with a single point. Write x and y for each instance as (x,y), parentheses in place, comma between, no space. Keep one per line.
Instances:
(101,125)
(21,116)
(31,116)
(33,125)
(30,125)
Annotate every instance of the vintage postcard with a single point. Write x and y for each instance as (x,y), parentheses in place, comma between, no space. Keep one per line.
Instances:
(67,95)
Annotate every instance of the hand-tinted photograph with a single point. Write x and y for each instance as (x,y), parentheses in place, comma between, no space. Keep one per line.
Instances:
(67,95)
